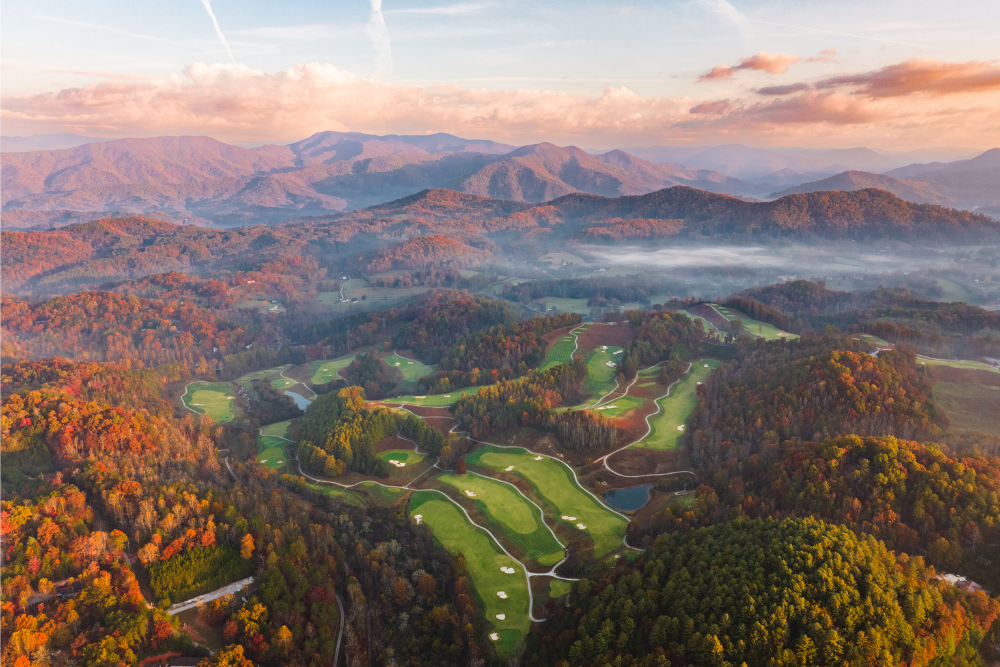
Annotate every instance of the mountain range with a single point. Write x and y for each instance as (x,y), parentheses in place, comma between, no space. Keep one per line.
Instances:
(203,181)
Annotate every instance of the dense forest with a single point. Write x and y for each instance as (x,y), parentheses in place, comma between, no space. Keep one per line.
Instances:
(345,431)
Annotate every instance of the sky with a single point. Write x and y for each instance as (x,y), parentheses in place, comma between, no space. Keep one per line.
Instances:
(888,74)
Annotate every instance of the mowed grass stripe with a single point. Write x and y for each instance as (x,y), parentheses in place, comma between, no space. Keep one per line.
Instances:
(506,508)
(212,399)
(559,493)
(453,531)
(676,408)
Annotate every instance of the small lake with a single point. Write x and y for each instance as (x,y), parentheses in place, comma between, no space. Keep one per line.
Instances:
(630,499)
(300,401)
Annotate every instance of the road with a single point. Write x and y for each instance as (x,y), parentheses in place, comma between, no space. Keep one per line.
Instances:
(232,588)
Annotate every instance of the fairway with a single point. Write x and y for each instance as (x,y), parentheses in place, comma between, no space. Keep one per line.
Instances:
(433,400)
(969,405)
(484,559)
(411,369)
(675,408)
(561,350)
(559,493)
(270,446)
(874,340)
(214,399)
(958,363)
(618,406)
(326,370)
(600,376)
(409,465)
(520,521)
(752,326)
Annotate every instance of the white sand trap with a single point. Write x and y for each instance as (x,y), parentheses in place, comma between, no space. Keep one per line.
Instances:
(581,526)
(280,461)
(699,383)
(604,347)
(681,427)
(618,352)
(199,404)
(494,636)
(470,493)
(419,397)
(507,570)
(397,363)
(501,595)
(418,517)
(447,395)
(501,617)
(539,458)
(410,363)
(509,468)
(229,398)
(609,364)
(706,365)
(263,460)
(568,518)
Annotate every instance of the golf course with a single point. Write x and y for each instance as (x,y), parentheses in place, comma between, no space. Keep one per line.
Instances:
(752,326)
(676,407)
(214,399)
(325,370)
(271,445)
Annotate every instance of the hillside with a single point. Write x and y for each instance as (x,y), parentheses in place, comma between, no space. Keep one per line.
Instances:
(849,181)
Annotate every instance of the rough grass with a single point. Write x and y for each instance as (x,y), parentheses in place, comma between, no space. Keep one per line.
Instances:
(326,370)
(559,588)
(211,398)
(484,559)
(969,406)
(676,408)
(518,519)
(559,494)
(752,326)
(967,364)
(411,369)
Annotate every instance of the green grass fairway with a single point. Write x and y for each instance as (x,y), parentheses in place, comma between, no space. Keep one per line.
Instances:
(874,340)
(559,493)
(559,351)
(618,406)
(675,408)
(953,291)
(518,519)
(484,559)
(212,399)
(272,457)
(279,429)
(433,400)
(752,326)
(415,464)
(958,363)
(411,369)
(559,588)
(262,305)
(600,376)
(270,446)
(326,370)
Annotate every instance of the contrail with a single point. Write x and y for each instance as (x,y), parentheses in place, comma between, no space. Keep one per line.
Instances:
(380,38)
(218,30)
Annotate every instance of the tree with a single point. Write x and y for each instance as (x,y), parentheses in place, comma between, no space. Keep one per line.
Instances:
(246,547)
(284,639)
(231,656)
(460,466)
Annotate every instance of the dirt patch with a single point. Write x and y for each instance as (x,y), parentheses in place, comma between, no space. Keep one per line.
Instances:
(647,462)
(427,411)
(712,315)
(598,334)
(392,442)
(632,424)
(964,375)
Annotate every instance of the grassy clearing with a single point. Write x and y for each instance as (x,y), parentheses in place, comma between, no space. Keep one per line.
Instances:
(433,400)
(214,399)
(411,369)
(563,305)
(874,340)
(559,493)
(326,370)
(361,295)
(953,291)
(969,406)
(261,304)
(518,519)
(752,326)
(958,363)
(484,559)
(600,376)
(559,588)
(619,406)
(415,465)
(676,408)
(270,446)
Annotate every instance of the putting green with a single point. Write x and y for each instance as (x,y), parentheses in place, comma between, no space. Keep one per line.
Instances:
(600,376)
(484,559)
(752,326)
(396,455)
(518,519)
(558,493)
(214,399)
(676,408)
(411,369)
(326,370)
(272,457)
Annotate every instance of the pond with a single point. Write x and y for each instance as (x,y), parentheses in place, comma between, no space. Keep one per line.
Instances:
(630,499)
(300,401)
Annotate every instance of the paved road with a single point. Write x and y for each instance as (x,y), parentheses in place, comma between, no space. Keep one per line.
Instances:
(233,588)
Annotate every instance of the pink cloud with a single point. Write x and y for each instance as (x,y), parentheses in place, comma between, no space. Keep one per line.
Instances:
(716,107)
(922,75)
(772,63)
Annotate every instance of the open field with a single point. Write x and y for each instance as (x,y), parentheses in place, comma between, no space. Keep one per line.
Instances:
(411,369)
(600,376)
(263,305)
(953,291)
(969,406)
(271,375)
(752,326)
(373,297)
(557,490)
(874,340)
(214,399)
(325,370)
(675,408)
(519,520)
(484,559)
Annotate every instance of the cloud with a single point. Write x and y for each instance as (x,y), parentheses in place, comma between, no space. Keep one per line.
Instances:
(716,107)
(772,63)
(920,76)
(823,56)
(242,105)
(783,90)
(218,30)
(380,39)
(461,9)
